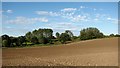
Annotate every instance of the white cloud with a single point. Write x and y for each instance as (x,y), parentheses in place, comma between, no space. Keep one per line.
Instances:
(47,13)
(109,18)
(42,12)
(79,18)
(94,9)
(65,24)
(82,7)
(76,15)
(39,19)
(9,11)
(24,20)
(68,9)
(112,20)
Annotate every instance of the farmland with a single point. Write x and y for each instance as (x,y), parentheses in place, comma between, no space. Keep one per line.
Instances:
(98,52)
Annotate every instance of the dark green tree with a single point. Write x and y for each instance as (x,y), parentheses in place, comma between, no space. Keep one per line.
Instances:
(6,40)
(34,40)
(90,33)
(57,35)
(42,40)
(28,36)
(111,35)
(64,37)
(5,43)
(21,40)
(69,33)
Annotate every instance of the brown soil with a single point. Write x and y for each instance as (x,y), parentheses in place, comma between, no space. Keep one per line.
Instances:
(99,52)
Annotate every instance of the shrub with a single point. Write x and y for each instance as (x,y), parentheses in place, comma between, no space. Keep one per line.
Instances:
(90,33)
(64,37)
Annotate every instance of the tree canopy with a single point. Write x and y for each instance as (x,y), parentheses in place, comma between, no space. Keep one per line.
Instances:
(45,36)
(90,33)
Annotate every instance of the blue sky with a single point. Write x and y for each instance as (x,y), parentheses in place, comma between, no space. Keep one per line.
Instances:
(21,17)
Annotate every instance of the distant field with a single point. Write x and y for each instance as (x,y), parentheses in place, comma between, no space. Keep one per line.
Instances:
(98,52)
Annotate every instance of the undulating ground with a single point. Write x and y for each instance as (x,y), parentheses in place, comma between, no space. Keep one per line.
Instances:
(98,52)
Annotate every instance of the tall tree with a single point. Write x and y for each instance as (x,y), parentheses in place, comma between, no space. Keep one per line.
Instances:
(28,36)
(57,35)
(6,41)
(21,40)
(69,33)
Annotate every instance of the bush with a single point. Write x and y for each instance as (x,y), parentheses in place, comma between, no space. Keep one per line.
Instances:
(90,33)
(64,37)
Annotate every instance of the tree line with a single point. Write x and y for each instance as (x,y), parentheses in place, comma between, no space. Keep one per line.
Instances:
(45,36)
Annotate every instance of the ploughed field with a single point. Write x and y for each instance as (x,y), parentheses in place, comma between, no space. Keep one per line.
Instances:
(98,52)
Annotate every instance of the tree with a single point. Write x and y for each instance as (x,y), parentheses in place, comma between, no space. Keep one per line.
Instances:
(43,35)
(90,33)
(34,40)
(117,35)
(112,35)
(20,40)
(14,41)
(28,36)
(6,40)
(42,40)
(35,33)
(5,37)
(64,37)
(69,33)
(4,43)
(57,35)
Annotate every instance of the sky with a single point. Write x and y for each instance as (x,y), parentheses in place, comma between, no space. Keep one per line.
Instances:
(20,17)
(60,0)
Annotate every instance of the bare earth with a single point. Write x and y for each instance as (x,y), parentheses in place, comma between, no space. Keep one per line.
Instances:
(99,52)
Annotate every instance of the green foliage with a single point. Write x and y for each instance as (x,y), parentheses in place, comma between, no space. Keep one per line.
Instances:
(75,37)
(5,43)
(90,33)
(34,40)
(45,37)
(117,35)
(6,40)
(28,36)
(43,40)
(41,36)
(111,35)
(14,41)
(57,35)
(69,33)
(21,40)
(64,37)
